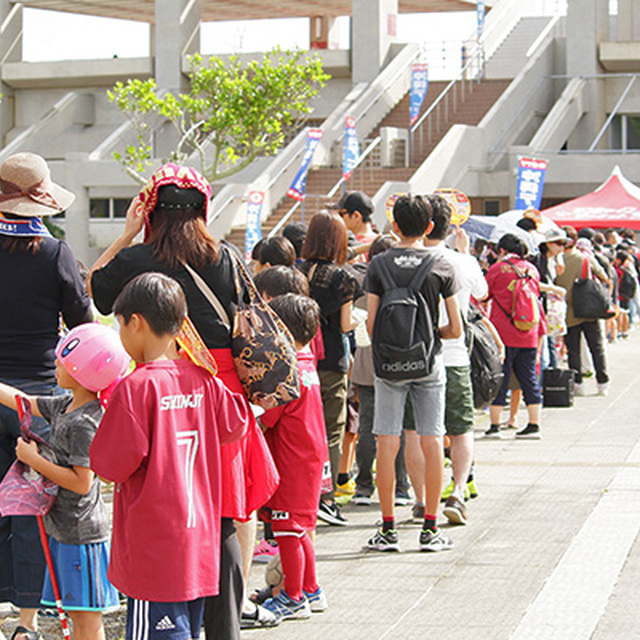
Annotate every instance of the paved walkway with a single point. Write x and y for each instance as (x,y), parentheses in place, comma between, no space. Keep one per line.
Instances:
(551,549)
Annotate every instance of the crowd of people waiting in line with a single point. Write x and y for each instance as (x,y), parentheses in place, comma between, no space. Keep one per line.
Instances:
(378,323)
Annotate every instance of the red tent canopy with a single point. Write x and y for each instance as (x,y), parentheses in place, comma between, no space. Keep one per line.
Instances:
(615,203)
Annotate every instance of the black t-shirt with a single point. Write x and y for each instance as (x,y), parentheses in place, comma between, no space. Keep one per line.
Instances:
(108,282)
(331,287)
(402,263)
(36,289)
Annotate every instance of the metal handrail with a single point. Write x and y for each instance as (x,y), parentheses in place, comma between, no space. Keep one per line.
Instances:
(362,112)
(287,216)
(476,56)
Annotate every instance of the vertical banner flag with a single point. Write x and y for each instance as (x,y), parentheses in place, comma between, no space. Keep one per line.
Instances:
(480,14)
(299,184)
(351,149)
(253,229)
(419,86)
(531,174)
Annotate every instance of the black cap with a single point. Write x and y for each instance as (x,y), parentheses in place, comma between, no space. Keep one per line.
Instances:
(357,201)
(172,197)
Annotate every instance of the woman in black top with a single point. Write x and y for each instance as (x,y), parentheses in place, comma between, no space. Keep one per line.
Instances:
(41,284)
(324,249)
(172,209)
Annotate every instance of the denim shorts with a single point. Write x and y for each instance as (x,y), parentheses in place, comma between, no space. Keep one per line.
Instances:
(427,400)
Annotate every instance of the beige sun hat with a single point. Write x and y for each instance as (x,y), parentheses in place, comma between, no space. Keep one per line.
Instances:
(26,188)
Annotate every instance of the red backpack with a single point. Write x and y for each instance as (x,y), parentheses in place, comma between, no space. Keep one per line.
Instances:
(525,305)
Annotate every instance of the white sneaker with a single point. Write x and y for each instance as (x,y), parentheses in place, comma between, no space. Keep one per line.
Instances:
(580,389)
(603,389)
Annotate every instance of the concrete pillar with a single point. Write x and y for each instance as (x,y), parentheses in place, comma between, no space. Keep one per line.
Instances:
(176,33)
(70,174)
(10,51)
(373,30)
(587,27)
(628,21)
(323,33)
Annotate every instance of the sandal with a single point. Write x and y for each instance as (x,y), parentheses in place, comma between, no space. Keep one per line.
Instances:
(260,618)
(28,634)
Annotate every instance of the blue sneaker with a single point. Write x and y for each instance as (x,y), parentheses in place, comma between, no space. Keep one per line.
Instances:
(286,608)
(317,600)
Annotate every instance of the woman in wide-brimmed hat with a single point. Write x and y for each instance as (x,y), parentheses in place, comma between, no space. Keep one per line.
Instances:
(40,284)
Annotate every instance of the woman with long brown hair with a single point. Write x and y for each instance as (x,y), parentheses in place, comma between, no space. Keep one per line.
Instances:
(324,250)
(173,211)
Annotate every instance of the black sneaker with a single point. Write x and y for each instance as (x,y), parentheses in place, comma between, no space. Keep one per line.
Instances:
(384,541)
(530,432)
(434,541)
(493,432)
(329,512)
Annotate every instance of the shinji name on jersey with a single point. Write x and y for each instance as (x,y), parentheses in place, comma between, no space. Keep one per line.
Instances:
(181,401)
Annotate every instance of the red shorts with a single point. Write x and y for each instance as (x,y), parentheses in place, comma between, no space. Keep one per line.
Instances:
(286,521)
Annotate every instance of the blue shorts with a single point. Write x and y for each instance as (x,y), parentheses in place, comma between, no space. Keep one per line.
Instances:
(81,571)
(427,400)
(164,620)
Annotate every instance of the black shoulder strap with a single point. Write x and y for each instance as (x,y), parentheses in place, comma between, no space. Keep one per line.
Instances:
(422,272)
(384,272)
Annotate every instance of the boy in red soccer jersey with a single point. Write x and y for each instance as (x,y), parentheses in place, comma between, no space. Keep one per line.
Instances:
(298,442)
(160,442)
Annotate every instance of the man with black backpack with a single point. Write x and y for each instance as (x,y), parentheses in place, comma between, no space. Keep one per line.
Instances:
(404,286)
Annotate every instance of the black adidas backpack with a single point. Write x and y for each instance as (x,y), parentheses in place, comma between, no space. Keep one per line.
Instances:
(403,337)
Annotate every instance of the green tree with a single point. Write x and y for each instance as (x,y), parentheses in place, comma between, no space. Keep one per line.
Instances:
(232,112)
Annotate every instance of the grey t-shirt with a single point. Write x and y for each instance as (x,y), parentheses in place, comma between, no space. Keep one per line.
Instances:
(74,518)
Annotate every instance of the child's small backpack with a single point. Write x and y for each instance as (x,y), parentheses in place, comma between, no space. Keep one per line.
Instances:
(403,338)
(525,305)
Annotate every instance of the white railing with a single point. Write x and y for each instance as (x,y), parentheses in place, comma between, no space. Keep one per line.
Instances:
(332,192)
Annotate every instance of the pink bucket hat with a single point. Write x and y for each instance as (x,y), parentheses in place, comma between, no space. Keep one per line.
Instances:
(26,188)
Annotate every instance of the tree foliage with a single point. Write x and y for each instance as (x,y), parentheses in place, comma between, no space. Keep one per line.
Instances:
(232,112)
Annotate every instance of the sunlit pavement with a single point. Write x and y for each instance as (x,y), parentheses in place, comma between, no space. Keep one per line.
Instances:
(550,550)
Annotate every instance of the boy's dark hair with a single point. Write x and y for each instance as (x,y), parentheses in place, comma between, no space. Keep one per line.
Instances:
(621,255)
(527,224)
(158,298)
(512,244)
(441,216)
(412,215)
(295,233)
(255,252)
(380,245)
(301,314)
(277,250)
(278,280)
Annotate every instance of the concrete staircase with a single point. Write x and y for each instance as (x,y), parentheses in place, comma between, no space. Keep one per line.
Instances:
(370,176)
(511,56)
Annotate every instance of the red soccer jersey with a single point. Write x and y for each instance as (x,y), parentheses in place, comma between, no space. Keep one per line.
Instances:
(298,442)
(159,440)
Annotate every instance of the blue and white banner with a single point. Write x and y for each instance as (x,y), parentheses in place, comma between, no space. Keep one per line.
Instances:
(480,15)
(299,184)
(351,149)
(531,173)
(253,229)
(419,86)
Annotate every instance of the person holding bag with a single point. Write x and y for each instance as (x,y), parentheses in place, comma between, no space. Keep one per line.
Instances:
(172,209)
(574,271)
